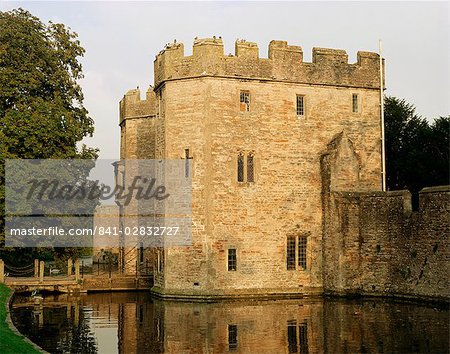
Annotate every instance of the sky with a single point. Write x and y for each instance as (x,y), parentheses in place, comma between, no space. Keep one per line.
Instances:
(122,38)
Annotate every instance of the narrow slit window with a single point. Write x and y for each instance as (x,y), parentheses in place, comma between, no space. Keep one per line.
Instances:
(355,103)
(240,168)
(232,260)
(302,243)
(140,313)
(141,252)
(300,105)
(250,169)
(187,158)
(290,253)
(245,101)
(232,337)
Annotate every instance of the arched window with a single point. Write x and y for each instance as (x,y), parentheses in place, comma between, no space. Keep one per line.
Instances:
(240,168)
(250,169)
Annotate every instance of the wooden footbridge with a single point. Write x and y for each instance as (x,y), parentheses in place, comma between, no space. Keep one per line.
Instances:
(30,278)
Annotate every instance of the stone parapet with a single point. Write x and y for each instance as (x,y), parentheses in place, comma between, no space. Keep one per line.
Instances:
(132,106)
(285,63)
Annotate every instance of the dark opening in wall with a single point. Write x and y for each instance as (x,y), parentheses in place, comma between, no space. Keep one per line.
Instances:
(232,337)
(292,336)
(435,248)
(415,201)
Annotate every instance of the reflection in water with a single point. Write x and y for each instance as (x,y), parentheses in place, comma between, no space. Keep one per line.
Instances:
(136,323)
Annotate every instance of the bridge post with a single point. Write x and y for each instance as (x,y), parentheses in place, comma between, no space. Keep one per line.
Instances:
(36,268)
(69,266)
(77,269)
(41,271)
(2,271)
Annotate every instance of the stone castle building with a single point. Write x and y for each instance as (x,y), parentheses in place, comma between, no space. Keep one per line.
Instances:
(286,174)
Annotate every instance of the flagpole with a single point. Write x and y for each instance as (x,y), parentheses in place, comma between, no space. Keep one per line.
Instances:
(383,147)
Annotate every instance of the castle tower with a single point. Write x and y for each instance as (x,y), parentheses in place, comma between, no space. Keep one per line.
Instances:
(137,118)
(255,129)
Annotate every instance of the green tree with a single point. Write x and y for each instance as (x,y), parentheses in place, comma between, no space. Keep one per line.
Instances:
(41,102)
(439,152)
(417,153)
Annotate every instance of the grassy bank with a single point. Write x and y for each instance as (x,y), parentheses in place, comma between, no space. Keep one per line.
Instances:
(9,341)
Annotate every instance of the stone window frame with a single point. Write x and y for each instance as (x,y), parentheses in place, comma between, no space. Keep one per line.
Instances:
(245,105)
(232,337)
(250,165)
(240,167)
(160,260)
(291,250)
(302,251)
(247,177)
(232,266)
(300,258)
(297,336)
(358,103)
(141,251)
(188,155)
(304,106)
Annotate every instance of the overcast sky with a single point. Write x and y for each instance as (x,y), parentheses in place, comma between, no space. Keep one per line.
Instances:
(122,38)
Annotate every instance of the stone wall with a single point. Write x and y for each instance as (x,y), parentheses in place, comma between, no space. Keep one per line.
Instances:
(203,115)
(375,244)
(104,216)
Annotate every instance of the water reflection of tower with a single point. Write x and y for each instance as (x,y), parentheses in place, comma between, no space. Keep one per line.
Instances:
(139,326)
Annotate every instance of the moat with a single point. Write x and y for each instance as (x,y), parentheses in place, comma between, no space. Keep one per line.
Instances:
(134,322)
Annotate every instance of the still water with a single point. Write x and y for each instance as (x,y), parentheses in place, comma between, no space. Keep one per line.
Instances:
(136,323)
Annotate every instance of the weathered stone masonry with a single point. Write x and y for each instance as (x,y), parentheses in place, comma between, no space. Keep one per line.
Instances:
(373,242)
(376,245)
(301,163)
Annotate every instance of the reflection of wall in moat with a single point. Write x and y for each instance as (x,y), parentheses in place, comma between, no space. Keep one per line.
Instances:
(137,319)
(145,325)
(258,327)
(384,327)
(319,326)
(300,326)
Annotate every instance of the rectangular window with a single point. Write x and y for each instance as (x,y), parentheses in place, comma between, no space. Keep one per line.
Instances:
(232,261)
(250,172)
(355,103)
(292,336)
(302,251)
(140,313)
(141,252)
(300,105)
(160,261)
(232,337)
(186,163)
(240,168)
(290,253)
(245,101)
(303,337)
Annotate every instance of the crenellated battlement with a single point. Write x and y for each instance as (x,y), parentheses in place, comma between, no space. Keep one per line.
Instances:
(132,106)
(285,63)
